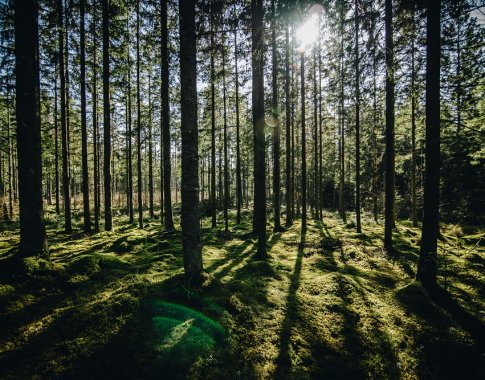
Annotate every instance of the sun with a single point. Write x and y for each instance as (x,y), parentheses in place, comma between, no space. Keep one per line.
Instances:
(307,33)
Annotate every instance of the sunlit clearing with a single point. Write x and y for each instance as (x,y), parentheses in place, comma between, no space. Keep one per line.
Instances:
(308,32)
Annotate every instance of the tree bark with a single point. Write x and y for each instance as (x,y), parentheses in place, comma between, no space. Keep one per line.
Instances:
(303,145)
(190,177)
(226,162)
(84,129)
(288,182)
(238,142)
(64,128)
(33,240)
(390,151)
(213,133)
(357,121)
(167,172)
(426,272)
(257,52)
(108,225)
(276,128)
(138,118)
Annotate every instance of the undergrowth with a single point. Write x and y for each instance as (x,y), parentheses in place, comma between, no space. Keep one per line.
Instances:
(331,304)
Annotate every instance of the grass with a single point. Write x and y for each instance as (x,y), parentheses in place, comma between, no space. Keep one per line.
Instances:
(330,304)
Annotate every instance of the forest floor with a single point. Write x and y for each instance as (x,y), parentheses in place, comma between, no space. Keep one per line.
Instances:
(330,306)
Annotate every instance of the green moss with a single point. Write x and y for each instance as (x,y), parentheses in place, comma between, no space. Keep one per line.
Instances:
(334,307)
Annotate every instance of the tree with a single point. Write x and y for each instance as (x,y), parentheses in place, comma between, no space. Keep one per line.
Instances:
(288,181)
(64,128)
(108,224)
(168,219)
(357,120)
(97,189)
(33,240)
(130,132)
(190,175)
(84,131)
(213,130)
(303,145)
(238,127)
(426,272)
(390,149)
(138,118)
(276,127)
(257,60)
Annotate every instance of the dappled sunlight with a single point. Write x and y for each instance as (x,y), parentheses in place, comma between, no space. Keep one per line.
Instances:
(334,305)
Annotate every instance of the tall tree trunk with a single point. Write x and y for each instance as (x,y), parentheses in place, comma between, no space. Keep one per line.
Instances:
(190,177)
(390,152)
(95,130)
(138,118)
(33,240)
(426,272)
(64,128)
(316,192)
(167,172)
(97,195)
(238,142)
(11,170)
(288,182)
(342,210)
(213,132)
(276,128)
(226,162)
(374,117)
(303,145)
(108,226)
(413,133)
(56,143)
(130,132)
(357,121)
(257,52)
(84,129)
(320,120)
(150,153)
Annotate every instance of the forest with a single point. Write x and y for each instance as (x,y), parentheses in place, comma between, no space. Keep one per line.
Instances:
(242,189)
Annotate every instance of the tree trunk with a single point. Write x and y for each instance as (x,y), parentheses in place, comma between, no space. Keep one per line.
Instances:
(150,153)
(303,145)
(390,152)
(56,143)
(213,132)
(138,118)
(257,51)
(33,240)
(190,177)
(426,272)
(342,210)
(130,133)
(276,127)
(167,172)
(357,121)
(316,192)
(226,162)
(413,134)
(64,128)
(108,226)
(84,129)
(238,142)
(97,195)
(288,182)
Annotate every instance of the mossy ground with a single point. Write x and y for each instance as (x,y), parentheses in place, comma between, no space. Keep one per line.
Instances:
(332,305)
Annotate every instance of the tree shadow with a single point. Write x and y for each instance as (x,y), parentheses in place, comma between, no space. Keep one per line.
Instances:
(283,361)
(444,352)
